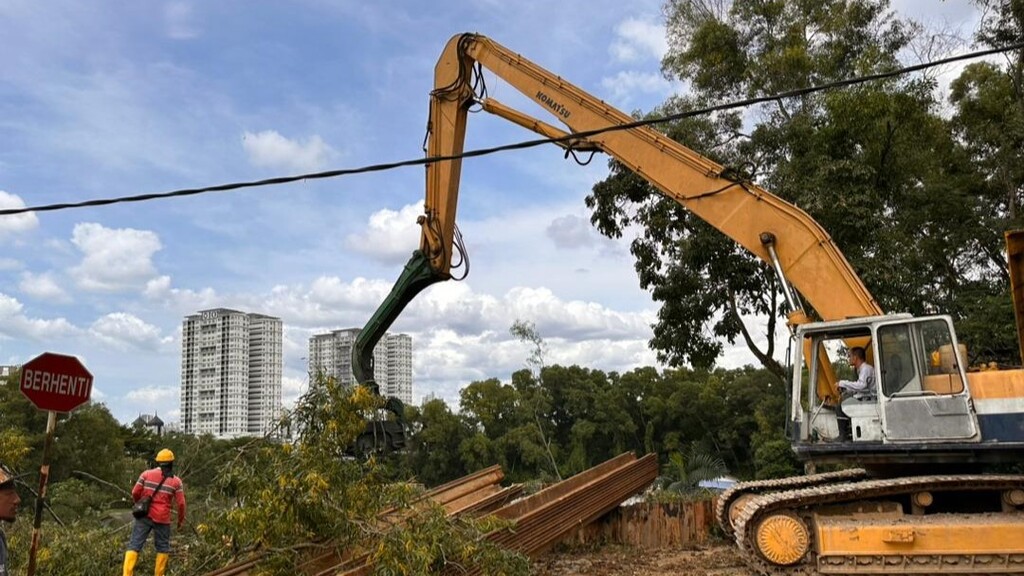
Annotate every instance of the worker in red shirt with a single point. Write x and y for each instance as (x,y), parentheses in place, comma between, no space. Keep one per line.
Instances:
(166,490)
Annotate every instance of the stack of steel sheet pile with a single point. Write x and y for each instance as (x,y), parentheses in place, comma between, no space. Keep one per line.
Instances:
(478,493)
(538,521)
(547,517)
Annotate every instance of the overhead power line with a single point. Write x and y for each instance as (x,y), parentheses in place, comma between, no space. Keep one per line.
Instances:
(514,146)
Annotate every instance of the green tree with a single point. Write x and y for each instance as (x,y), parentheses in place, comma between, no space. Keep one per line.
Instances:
(772,457)
(26,423)
(875,165)
(591,416)
(434,453)
(533,394)
(89,440)
(684,472)
(989,123)
(14,447)
(490,406)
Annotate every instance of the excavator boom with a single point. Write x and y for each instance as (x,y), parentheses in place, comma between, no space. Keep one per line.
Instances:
(753,217)
(741,210)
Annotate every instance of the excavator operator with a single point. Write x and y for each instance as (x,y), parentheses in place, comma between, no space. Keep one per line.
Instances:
(865,382)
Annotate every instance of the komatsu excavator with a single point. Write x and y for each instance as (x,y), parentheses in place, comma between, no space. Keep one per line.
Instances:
(923,499)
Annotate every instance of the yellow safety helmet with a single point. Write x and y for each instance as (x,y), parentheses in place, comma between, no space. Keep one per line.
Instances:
(164,456)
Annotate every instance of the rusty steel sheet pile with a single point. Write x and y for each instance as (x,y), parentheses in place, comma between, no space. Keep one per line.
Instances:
(547,517)
(537,521)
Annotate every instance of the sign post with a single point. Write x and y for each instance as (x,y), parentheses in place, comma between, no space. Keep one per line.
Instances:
(55,383)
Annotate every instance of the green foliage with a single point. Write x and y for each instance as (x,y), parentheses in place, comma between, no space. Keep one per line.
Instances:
(773,456)
(75,498)
(266,495)
(287,495)
(254,494)
(14,447)
(590,416)
(435,447)
(80,547)
(432,541)
(774,459)
(90,426)
(684,473)
(916,201)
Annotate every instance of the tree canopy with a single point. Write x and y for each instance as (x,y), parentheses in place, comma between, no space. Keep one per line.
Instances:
(917,200)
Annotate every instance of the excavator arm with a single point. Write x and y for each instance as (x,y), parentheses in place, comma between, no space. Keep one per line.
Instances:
(781,234)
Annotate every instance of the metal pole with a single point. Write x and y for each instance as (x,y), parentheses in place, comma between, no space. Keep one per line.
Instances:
(44,475)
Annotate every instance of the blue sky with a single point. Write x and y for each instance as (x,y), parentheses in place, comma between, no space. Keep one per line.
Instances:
(110,98)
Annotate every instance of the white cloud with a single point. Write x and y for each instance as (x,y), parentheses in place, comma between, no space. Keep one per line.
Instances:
(159,400)
(572,232)
(331,290)
(126,331)
(179,299)
(43,287)
(444,361)
(179,21)
(628,82)
(17,223)
(575,319)
(327,301)
(390,236)
(152,395)
(269,149)
(157,287)
(114,259)
(291,389)
(638,39)
(14,323)
(459,335)
(7,264)
(455,306)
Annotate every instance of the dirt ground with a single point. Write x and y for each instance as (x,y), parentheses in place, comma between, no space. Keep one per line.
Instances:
(716,560)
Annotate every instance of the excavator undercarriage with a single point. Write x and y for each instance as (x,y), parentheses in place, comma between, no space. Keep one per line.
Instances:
(836,524)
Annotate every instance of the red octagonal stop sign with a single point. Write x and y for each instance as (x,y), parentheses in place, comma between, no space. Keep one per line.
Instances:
(56,382)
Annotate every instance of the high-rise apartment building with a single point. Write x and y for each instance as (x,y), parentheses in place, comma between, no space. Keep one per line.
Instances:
(231,366)
(331,354)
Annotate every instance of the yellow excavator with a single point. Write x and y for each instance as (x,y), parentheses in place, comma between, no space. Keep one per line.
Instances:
(924,433)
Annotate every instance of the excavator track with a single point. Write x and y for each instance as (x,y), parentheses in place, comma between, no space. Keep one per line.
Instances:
(738,494)
(780,533)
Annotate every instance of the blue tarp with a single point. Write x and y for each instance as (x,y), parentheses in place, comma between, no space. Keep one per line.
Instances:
(722,483)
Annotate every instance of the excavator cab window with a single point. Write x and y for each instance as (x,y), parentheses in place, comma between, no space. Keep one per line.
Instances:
(826,351)
(897,370)
(917,359)
(829,353)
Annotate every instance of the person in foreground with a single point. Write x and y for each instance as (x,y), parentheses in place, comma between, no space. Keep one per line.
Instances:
(9,501)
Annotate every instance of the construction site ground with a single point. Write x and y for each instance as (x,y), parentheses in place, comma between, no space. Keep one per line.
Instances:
(718,559)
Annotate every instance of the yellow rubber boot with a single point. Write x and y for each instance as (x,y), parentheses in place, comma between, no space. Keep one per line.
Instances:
(161,563)
(130,557)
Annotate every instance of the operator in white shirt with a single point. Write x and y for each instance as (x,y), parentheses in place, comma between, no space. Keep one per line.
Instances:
(865,381)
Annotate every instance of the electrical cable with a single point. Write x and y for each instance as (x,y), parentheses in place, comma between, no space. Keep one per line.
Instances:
(514,146)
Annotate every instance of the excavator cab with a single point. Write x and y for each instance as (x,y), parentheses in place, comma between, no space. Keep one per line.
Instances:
(918,396)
